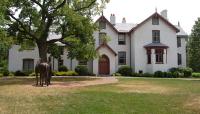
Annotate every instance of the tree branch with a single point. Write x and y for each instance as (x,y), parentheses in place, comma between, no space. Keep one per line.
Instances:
(38,3)
(82,8)
(60,5)
(22,25)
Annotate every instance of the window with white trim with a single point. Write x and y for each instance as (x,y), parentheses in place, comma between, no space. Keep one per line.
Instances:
(28,64)
(121,39)
(156,36)
(122,58)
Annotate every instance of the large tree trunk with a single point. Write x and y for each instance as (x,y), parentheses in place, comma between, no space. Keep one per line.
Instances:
(42,47)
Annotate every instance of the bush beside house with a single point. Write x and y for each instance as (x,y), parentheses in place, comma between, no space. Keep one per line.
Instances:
(82,70)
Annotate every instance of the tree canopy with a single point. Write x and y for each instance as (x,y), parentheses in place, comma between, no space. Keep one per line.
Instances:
(33,21)
(194,47)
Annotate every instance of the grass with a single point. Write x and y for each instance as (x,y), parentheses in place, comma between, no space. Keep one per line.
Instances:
(128,96)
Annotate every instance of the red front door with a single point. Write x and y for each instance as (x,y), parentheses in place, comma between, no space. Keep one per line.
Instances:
(104,65)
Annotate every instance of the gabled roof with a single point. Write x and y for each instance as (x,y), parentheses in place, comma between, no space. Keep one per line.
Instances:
(108,22)
(107,46)
(161,17)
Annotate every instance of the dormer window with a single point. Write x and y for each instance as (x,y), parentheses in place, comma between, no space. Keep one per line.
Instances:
(102,25)
(156,36)
(155,20)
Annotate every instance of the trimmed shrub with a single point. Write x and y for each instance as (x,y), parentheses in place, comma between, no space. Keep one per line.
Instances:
(116,74)
(125,71)
(19,73)
(6,73)
(186,71)
(147,75)
(62,68)
(1,74)
(82,70)
(173,69)
(158,74)
(68,73)
(134,74)
(196,75)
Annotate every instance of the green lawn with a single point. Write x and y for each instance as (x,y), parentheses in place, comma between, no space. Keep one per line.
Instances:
(128,96)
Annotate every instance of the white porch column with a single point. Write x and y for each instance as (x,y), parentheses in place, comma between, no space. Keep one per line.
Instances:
(165,56)
(153,56)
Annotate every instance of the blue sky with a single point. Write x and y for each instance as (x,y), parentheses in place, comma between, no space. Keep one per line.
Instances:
(135,11)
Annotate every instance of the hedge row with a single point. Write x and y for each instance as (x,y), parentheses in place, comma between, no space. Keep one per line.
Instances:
(172,73)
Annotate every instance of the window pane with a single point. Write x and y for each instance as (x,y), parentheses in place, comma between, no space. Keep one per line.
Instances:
(178,42)
(156,36)
(155,21)
(102,25)
(28,64)
(179,59)
(121,39)
(122,58)
(159,55)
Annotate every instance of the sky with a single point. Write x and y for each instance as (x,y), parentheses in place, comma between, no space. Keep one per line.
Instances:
(135,11)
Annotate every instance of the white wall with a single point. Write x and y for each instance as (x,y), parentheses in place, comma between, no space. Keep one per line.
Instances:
(143,36)
(16,57)
(182,51)
(113,43)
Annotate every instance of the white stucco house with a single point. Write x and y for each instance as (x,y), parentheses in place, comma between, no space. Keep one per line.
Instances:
(152,45)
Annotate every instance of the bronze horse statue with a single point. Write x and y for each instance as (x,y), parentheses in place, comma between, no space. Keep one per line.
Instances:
(44,69)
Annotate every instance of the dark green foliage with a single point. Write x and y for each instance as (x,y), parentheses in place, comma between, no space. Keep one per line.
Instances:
(62,68)
(19,73)
(187,72)
(68,73)
(82,70)
(194,47)
(5,73)
(181,72)
(116,74)
(31,21)
(158,74)
(147,75)
(196,75)
(125,71)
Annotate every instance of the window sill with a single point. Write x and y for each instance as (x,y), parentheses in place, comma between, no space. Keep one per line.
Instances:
(159,63)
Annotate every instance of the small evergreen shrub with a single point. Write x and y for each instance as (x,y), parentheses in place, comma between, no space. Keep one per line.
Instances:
(19,73)
(186,71)
(147,75)
(134,74)
(116,74)
(6,73)
(196,75)
(125,71)
(82,70)
(68,73)
(158,74)
(62,68)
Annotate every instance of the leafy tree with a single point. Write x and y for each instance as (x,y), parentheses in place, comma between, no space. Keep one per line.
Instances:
(33,20)
(5,43)
(194,47)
